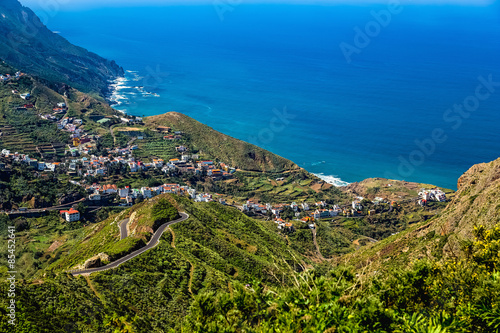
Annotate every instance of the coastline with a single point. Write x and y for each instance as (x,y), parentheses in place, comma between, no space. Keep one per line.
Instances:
(121,86)
(332,179)
(126,84)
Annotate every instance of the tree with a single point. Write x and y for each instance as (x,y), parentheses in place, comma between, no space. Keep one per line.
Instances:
(162,212)
(82,208)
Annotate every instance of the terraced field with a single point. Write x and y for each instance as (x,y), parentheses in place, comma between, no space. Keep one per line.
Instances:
(157,148)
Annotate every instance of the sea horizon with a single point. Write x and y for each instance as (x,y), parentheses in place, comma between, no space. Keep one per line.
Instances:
(300,93)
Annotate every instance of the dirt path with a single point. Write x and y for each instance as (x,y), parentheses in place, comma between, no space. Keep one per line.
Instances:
(316,244)
(173,237)
(191,270)
(113,135)
(131,141)
(92,286)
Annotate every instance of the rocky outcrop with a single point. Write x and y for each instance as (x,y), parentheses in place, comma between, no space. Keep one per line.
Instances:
(96,261)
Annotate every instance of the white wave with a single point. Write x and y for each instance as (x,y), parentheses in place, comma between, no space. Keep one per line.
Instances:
(124,88)
(121,87)
(116,86)
(318,163)
(334,180)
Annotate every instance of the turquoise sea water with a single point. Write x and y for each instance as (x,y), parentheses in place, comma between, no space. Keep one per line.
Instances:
(276,75)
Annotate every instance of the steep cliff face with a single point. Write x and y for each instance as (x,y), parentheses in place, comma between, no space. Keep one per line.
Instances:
(477,202)
(26,43)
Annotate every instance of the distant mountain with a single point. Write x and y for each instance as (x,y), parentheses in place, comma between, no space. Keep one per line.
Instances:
(27,44)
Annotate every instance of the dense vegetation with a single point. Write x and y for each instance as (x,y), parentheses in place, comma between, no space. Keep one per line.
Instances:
(163,211)
(215,248)
(24,187)
(156,291)
(457,295)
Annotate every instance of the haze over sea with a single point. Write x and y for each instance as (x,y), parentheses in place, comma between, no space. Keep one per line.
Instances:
(275,75)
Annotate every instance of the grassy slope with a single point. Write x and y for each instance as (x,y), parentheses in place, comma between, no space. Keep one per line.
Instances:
(224,234)
(475,203)
(419,280)
(24,130)
(214,144)
(379,187)
(214,248)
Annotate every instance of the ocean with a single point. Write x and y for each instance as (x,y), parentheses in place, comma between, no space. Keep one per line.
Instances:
(347,92)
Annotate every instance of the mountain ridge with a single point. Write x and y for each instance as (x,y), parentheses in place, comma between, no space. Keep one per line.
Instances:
(239,153)
(32,47)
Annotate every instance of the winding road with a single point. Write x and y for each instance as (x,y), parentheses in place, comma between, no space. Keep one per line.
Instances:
(123,229)
(151,244)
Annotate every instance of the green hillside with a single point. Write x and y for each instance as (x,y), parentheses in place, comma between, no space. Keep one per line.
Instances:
(438,276)
(214,144)
(27,44)
(214,249)
(221,271)
(23,129)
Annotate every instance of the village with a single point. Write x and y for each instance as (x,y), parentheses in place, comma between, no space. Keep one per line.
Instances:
(98,165)
(81,161)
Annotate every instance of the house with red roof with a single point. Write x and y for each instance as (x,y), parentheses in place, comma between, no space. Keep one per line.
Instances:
(71,215)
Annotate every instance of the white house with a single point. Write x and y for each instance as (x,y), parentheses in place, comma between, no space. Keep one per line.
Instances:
(181,149)
(133,167)
(95,196)
(146,192)
(123,192)
(71,215)
(50,167)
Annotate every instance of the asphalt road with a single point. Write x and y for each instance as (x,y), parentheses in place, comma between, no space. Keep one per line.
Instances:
(123,229)
(151,244)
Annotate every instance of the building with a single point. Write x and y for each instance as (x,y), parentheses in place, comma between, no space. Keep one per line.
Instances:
(123,192)
(146,192)
(109,189)
(214,172)
(71,215)
(95,196)
(181,149)
(133,167)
